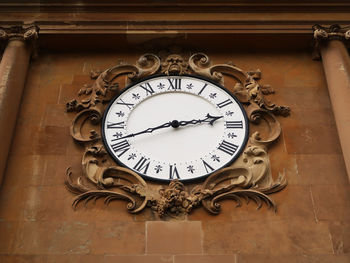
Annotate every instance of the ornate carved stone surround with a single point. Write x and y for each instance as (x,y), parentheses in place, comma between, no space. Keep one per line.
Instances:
(249,177)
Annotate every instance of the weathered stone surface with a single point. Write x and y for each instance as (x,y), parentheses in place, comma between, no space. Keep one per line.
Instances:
(114,237)
(266,237)
(205,258)
(174,237)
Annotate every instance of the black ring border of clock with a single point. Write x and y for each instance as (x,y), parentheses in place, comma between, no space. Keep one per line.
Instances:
(105,144)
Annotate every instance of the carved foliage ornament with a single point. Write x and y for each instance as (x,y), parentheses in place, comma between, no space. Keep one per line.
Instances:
(249,177)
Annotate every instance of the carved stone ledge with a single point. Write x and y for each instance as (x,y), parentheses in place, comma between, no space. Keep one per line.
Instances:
(248,178)
(324,34)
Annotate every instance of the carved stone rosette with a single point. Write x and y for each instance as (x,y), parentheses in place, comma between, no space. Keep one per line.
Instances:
(249,177)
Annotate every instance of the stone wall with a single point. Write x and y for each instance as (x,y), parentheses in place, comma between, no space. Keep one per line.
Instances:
(38,224)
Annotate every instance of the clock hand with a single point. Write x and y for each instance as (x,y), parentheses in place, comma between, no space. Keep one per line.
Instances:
(175,124)
(209,119)
(149,130)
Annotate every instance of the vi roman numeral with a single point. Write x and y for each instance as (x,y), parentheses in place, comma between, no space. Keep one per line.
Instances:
(148,88)
(228,147)
(234,125)
(115,125)
(224,103)
(122,147)
(207,166)
(175,84)
(173,172)
(142,165)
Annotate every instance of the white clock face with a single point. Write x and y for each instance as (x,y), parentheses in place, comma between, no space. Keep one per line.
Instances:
(175,127)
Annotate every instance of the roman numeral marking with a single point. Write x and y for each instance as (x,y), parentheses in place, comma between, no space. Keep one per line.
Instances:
(207,166)
(224,103)
(202,89)
(142,165)
(122,147)
(173,172)
(147,87)
(175,84)
(228,147)
(234,125)
(129,105)
(115,125)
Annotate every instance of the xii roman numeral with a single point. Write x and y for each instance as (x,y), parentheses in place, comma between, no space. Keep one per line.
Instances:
(115,125)
(147,87)
(175,84)
(129,105)
(122,146)
(173,172)
(142,165)
(228,147)
(224,103)
(234,125)
(199,93)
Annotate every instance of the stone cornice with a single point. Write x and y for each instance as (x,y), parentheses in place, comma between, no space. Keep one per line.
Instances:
(175,6)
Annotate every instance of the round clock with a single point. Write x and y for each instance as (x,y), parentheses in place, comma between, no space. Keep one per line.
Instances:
(175,127)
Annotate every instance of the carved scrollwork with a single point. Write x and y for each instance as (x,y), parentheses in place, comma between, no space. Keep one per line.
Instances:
(248,178)
(109,182)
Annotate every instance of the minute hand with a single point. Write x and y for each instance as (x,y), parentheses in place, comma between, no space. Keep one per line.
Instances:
(149,130)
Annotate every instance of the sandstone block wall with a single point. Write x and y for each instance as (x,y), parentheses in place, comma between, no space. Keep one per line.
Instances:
(38,224)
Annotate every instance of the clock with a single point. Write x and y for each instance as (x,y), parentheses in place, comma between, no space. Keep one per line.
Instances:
(175,127)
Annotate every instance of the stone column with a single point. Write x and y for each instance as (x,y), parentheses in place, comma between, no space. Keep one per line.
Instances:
(13,70)
(336,64)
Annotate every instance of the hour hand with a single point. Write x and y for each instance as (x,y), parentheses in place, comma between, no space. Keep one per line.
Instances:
(209,119)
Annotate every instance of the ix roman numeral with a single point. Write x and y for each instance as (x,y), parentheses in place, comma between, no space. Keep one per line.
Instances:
(234,124)
(202,89)
(224,103)
(116,125)
(228,147)
(207,166)
(175,84)
(129,105)
(122,146)
(147,87)
(142,165)
(173,172)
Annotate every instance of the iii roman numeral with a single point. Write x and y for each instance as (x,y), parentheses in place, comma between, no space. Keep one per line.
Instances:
(147,87)
(173,172)
(115,125)
(207,166)
(122,147)
(228,147)
(129,105)
(175,84)
(142,165)
(199,93)
(224,103)
(234,124)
